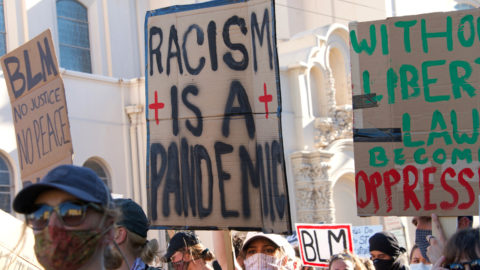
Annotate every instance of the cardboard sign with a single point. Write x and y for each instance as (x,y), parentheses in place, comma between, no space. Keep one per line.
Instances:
(39,108)
(16,244)
(318,243)
(416,118)
(360,235)
(215,153)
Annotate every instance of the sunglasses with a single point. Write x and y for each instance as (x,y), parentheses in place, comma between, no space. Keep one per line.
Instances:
(69,213)
(474,265)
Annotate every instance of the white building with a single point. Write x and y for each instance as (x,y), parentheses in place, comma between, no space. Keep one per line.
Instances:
(100,46)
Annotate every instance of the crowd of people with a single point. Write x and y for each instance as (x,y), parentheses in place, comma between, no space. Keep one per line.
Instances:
(77,225)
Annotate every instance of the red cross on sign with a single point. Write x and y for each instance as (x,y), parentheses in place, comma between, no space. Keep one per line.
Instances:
(156,106)
(265,99)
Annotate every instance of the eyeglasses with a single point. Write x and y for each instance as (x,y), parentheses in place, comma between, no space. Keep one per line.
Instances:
(474,265)
(69,213)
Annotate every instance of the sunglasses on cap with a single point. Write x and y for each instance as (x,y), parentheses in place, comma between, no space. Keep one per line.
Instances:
(69,213)
(474,265)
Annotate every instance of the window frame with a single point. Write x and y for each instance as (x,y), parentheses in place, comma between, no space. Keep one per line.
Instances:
(90,68)
(10,185)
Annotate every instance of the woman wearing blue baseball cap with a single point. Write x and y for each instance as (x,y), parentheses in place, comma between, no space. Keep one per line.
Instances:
(71,213)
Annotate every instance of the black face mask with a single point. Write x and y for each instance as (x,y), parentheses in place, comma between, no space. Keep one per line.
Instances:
(421,241)
(383,264)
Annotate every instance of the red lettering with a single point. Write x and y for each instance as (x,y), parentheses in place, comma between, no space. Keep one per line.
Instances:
(362,176)
(446,205)
(463,182)
(427,187)
(375,182)
(388,185)
(408,190)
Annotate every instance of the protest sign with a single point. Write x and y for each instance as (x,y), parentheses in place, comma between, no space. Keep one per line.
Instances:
(318,243)
(360,235)
(416,120)
(39,108)
(215,152)
(16,244)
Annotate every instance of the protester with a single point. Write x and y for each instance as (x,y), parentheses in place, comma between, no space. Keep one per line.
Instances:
(345,261)
(417,261)
(461,252)
(131,250)
(386,252)
(464,222)
(267,251)
(185,252)
(423,229)
(71,213)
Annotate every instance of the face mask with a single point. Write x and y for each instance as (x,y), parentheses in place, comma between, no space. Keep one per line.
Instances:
(180,265)
(112,259)
(58,249)
(420,266)
(383,264)
(262,261)
(421,241)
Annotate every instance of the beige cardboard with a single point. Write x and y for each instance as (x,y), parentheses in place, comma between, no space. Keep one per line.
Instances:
(199,111)
(39,111)
(457,193)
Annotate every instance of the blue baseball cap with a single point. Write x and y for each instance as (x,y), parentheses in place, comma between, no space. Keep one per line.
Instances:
(179,241)
(80,182)
(133,218)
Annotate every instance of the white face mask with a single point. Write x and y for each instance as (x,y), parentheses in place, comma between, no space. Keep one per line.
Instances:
(260,261)
(420,266)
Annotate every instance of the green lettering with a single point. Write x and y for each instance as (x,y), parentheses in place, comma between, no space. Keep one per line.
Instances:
(461,31)
(378,154)
(406,32)
(463,138)
(384,35)
(427,81)
(438,120)
(399,156)
(460,81)
(392,82)
(439,156)
(363,46)
(412,82)
(465,154)
(366,86)
(407,137)
(447,34)
(417,156)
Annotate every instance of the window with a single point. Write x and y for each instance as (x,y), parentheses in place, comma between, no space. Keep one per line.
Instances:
(99,170)
(5,186)
(3,32)
(72,20)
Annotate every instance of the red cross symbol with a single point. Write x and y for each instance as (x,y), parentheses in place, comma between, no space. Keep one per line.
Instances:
(265,99)
(156,106)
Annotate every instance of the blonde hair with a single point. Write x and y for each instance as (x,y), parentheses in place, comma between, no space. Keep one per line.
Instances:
(139,246)
(199,251)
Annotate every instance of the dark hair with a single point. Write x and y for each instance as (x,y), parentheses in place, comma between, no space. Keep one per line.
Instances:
(347,256)
(411,253)
(464,243)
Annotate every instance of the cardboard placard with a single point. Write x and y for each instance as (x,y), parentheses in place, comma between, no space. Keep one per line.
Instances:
(416,117)
(16,244)
(39,108)
(318,243)
(215,152)
(360,235)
